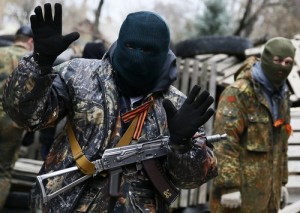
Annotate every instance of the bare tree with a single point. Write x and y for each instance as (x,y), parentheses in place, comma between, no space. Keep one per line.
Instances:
(262,19)
(96,23)
(19,11)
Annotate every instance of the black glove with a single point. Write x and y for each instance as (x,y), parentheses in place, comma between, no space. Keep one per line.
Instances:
(194,112)
(47,34)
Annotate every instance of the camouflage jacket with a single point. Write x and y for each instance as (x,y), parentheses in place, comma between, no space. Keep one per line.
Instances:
(253,159)
(84,91)
(9,59)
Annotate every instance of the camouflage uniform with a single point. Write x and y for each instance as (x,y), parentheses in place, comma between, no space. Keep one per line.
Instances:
(84,90)
(253,160)
(10,134)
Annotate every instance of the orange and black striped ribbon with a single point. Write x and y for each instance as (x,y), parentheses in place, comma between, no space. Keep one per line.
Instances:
(141,112)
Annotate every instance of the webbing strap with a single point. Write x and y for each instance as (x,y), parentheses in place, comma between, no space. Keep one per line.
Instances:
(85,166)
(127,137)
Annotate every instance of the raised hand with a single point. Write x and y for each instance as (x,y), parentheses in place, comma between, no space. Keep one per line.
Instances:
(48,39)
(195,112)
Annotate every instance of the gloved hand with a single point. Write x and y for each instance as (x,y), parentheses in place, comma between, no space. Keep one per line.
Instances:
(231,200)
(47,34)
(284,197)
(194,112)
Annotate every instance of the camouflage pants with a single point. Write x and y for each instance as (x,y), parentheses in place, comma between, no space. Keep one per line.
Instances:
(10,141)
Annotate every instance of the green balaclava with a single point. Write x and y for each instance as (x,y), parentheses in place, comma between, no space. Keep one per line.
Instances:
(282,48)
(140,53)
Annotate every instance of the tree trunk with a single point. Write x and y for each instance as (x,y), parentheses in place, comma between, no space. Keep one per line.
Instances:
(97,18)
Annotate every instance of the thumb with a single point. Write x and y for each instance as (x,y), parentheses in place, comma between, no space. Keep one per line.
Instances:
(170,108)
(69,38)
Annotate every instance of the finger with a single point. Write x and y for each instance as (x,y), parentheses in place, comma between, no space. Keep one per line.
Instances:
(193,94)
(69,38)
(169,108)
(39,16)
(202,98)
(48,13)
(207,115)
(33,22)
(204,105)
(58,16)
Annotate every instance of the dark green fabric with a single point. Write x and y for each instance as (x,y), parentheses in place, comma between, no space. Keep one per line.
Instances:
(141,51)
(282,48)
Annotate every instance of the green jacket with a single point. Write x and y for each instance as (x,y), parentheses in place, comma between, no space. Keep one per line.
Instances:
(9,59)
(10,133)
(253,159)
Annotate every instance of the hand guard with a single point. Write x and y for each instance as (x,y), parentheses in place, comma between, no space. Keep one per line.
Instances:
(48,39)
(184,123)
(231,200)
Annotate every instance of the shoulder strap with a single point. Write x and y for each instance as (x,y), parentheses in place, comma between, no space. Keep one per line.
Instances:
(85,166)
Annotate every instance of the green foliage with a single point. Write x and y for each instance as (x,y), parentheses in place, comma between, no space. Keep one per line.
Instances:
(214,20)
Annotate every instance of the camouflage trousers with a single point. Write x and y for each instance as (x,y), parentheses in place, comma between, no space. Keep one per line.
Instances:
(10,141)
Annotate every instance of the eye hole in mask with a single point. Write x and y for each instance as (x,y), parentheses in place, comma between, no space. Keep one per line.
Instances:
(284,62)
(143,49)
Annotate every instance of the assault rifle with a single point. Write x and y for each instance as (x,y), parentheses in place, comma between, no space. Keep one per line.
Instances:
(113,159)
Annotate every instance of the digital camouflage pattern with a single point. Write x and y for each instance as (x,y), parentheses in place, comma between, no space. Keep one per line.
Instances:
(10,134)
(84,90)
(253,159)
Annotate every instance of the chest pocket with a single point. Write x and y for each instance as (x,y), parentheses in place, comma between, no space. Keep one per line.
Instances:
(258,133)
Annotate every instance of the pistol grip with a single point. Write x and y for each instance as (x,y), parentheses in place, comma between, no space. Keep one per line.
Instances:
(114,182)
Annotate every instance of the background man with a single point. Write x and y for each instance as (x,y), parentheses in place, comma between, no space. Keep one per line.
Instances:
(10,133)
(255,113)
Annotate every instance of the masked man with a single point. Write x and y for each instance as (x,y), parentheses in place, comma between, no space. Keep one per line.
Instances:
(255,113)
(100,98)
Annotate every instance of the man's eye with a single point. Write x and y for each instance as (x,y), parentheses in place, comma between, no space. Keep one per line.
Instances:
(276,60)
(147,50)
(129,46)
(288,61)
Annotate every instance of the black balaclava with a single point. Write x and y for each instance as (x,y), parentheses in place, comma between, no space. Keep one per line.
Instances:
(281,47)
(141,51)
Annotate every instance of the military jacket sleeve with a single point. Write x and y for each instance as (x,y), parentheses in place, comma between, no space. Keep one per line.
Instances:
(194,167)
(30,96)
(230,118)
(196,163)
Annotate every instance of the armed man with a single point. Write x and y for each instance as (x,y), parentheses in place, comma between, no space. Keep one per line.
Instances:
(124,100)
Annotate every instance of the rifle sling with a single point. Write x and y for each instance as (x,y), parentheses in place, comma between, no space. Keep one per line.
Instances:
(165,188)
(85,166)
(127,137)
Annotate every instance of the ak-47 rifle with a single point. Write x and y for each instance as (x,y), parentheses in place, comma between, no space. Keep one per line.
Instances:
(113,159)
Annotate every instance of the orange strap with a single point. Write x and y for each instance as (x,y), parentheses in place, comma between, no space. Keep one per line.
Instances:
(85,166)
